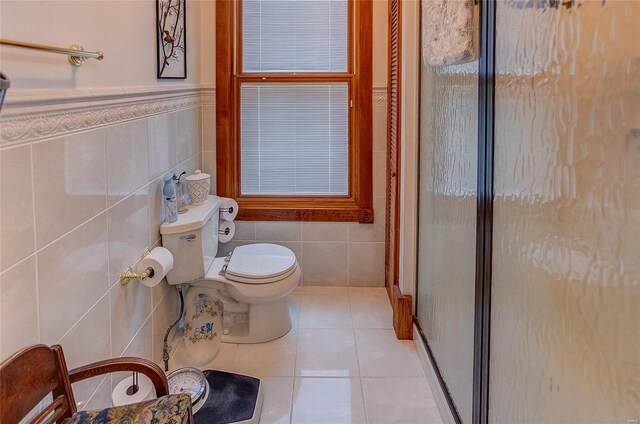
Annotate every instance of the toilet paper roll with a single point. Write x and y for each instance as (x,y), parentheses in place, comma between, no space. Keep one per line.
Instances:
(226,230)
(146,391)
(161,261)
(228,209)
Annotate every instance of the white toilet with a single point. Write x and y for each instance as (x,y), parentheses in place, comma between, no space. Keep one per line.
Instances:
(252,282)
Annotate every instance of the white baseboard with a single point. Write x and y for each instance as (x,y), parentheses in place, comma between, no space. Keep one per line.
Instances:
(432,378)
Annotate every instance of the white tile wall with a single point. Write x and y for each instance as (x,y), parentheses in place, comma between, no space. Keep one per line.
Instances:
(73,212)
(16,200)
(69,183)
(332,254)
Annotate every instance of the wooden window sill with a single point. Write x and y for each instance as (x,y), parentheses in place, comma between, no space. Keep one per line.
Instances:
(301,209)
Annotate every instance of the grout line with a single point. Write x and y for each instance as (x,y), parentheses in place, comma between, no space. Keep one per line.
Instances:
(355,342)
(110,326)
(35,241)
(104,378)
(349,270)
(153,319)
(291,399)
(82,317)
(26,258)
(133,193)
(136,335)
(295,367)
(33,197)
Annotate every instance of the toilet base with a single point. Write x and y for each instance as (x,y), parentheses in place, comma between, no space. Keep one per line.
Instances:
(262,322)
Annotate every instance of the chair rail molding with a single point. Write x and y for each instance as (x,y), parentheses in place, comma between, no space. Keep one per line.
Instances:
(30,116)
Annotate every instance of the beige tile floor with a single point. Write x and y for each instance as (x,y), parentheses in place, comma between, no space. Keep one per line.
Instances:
(341,363)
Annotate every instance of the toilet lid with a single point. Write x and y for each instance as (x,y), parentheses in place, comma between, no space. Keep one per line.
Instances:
(255,263)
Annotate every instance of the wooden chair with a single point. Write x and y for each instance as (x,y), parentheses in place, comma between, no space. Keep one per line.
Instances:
(28,376)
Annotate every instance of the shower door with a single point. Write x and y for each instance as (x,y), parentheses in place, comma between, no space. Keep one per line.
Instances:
(447,224)
(565,303)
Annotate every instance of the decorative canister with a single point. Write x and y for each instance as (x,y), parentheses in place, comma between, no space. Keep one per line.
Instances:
(198,185)
(202,325)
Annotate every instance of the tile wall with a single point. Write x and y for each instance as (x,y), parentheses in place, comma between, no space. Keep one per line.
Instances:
(332,254)
(74,211)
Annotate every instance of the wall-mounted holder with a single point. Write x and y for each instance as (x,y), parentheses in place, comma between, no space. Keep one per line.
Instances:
(76,53)
(127,274)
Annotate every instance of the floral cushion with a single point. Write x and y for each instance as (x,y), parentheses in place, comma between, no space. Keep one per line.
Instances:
(172,409)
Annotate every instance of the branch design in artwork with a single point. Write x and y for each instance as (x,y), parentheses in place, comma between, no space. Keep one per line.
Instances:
(171,31)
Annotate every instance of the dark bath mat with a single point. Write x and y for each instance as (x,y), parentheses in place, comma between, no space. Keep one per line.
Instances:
(232,398)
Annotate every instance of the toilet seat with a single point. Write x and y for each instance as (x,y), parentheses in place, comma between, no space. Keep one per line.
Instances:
(261,263)
(281,273)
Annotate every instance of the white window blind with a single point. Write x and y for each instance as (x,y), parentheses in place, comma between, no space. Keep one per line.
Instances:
(294,138)
(294,35)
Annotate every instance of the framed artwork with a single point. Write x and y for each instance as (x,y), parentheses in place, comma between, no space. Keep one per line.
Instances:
(171,29)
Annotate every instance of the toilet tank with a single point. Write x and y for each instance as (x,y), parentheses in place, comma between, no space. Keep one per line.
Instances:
(190,239)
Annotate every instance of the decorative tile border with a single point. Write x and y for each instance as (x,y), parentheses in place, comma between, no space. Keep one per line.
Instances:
(31,118)
(32,121)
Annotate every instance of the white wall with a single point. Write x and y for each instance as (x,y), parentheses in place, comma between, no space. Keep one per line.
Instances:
(123,30)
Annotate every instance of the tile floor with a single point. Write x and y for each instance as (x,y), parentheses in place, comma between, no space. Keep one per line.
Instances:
(341,363)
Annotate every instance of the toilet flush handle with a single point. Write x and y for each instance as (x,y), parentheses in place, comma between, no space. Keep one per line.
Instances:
(189,238)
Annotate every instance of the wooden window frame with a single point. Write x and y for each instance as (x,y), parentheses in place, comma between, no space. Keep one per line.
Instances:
(357,205)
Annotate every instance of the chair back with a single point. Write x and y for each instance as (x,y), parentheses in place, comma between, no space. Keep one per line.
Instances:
(27,377)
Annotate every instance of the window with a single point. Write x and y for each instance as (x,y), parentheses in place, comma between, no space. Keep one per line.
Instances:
(293,124)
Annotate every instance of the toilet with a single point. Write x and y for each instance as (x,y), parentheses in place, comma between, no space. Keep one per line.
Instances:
(252,282)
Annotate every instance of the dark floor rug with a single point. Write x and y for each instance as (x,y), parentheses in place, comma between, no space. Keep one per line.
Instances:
(232,398)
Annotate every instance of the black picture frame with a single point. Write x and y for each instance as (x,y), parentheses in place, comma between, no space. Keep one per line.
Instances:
(171,39)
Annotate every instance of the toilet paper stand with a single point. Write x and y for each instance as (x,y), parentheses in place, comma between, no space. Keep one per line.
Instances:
(135,386)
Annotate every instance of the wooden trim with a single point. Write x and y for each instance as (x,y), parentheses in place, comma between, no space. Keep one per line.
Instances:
(394,145)
(402,304)
(303,209)
(362,157)
(358,205)
(402,313)
(237,31)
(225,146)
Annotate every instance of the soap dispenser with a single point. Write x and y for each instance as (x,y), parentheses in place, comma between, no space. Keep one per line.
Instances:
(169,198)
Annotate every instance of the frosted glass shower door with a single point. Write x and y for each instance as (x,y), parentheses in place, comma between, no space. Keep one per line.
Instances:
(447,223)
(565,305)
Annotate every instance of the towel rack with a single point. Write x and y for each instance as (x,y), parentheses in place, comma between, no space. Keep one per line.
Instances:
(76,53)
